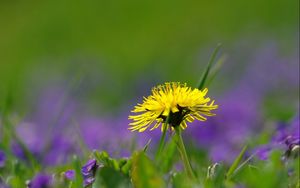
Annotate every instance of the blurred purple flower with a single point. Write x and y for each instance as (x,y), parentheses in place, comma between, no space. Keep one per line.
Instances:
(2,183)
(58,120)
(49,152)
(224,134)
(2,159)
(240,112)
(96,132)
(131,140)
(70,174)
(51,121)
(41,181)
(58,151)
(262,152)
(286,138)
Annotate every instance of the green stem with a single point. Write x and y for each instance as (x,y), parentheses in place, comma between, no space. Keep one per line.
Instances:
(162,140)
(181,148)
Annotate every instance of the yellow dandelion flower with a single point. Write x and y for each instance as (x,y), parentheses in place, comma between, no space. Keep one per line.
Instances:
(174,100)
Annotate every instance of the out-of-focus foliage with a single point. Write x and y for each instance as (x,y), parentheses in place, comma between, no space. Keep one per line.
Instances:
(123,41)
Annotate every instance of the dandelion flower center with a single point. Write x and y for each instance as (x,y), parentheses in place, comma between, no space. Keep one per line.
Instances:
(174,102)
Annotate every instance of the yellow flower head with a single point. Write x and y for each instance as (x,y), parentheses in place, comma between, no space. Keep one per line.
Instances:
(172,102)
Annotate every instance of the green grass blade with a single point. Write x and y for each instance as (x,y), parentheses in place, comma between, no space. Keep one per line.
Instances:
(236,162)
(78,182)
(216,68)
(207,70)
(147,145)
(243,164)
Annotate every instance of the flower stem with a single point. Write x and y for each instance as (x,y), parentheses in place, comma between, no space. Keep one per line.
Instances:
(162,140)
(181,148)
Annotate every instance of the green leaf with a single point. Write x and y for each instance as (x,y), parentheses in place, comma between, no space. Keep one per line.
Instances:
(144,173)
(125,169)
(103,158)
(207,70)
(236,163)
(123,165)
(108,177)
(167,159)
(78,181)
(16,181)
(180,180)
(215,176)
(270,173)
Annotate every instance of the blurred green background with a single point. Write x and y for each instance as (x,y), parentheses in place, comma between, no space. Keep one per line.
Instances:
(120,42)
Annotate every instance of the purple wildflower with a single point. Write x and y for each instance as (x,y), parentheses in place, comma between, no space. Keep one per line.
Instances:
(262,152)
(89,171)
(2,159)
(88,181)
(40,181)
(2,184)
(90,167)
(286,138)
(70,174)
(293,146)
